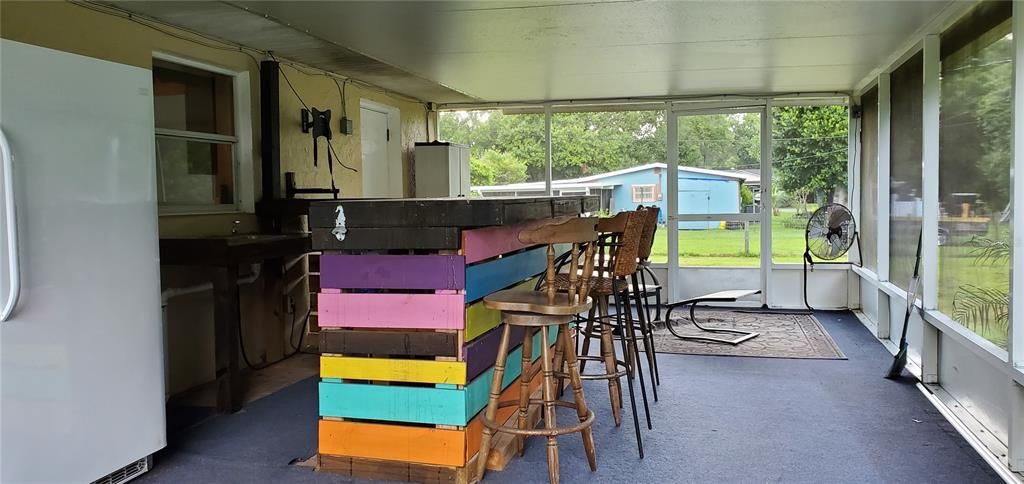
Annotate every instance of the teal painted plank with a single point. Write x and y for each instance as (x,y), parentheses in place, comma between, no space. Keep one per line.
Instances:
(428,405)
(497,274)
(392,403)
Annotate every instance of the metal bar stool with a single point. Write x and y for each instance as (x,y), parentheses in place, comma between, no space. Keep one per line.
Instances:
(645,290)
(616,261)
(544,309)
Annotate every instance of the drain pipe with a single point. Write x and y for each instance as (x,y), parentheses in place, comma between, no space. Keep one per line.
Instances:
(167,294)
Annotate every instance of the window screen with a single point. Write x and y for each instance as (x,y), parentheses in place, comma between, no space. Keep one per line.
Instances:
(905,206)
(974,172)
(869,179)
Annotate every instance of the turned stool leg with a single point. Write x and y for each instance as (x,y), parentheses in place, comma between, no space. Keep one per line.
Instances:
(585,333)
(524,390)
(608,353)
(577,390)
(492,400)
(559,366)
(549,405)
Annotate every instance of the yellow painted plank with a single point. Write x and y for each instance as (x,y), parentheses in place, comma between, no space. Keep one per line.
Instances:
(383,369)
(480,319)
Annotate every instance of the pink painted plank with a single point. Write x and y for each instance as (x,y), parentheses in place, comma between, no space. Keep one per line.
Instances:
(480,244)
(403,311)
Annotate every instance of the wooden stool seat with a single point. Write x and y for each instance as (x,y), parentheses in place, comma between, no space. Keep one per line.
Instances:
(521,300)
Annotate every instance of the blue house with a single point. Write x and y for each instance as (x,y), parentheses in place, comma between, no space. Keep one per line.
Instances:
(701,191)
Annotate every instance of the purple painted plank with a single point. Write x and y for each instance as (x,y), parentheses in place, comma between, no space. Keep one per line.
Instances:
(481,353)
(371,271)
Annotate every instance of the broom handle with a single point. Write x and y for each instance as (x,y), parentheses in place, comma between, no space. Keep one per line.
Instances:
(914,282)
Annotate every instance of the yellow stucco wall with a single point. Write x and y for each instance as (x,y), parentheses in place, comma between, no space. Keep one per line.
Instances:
(73,28)
(77,29)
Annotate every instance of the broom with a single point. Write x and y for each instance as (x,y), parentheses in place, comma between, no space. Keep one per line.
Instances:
(900,361)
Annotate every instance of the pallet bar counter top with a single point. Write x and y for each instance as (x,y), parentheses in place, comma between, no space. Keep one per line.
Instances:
(408,347)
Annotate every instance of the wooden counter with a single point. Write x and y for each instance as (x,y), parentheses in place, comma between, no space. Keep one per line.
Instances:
(408,347)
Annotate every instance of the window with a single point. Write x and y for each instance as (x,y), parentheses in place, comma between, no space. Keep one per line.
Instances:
(645,193)
(905,205)
(195,137)
(974,172)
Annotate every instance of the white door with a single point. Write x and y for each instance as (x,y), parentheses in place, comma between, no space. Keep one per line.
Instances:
(81,356)
(381,178)
(715,245)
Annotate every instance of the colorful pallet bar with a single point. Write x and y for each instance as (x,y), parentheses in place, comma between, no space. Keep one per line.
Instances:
(408,346)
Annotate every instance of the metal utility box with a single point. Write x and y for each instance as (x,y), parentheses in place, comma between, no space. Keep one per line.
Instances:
(442,170)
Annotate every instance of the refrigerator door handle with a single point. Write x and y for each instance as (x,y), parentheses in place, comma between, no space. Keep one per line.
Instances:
(11,230)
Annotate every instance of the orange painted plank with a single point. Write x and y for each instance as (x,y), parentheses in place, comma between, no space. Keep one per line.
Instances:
(425,445)
(422,445)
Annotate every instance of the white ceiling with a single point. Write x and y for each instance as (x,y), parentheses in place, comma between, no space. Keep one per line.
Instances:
(525,51)
(504,51)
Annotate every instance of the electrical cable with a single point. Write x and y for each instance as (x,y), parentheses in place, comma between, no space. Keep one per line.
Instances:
(329,144)
(146,23)
(291,332)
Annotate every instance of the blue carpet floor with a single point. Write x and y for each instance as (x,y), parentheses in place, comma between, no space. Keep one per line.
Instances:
(719,419)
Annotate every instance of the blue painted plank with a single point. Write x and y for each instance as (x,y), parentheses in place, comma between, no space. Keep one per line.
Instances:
(497,274)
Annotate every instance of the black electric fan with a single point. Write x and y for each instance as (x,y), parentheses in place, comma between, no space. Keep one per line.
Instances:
(831,231)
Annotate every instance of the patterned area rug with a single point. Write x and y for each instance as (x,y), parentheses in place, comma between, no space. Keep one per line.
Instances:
(781,335)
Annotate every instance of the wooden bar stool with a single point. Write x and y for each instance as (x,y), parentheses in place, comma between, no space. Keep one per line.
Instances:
(545,309)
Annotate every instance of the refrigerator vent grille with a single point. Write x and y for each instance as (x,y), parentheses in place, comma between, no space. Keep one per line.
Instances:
(125,473)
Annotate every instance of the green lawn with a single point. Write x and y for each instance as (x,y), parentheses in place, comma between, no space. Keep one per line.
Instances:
(719,247)
(959,267)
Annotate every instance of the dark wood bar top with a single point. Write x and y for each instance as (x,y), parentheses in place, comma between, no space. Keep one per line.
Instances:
(426,223)
(434,224)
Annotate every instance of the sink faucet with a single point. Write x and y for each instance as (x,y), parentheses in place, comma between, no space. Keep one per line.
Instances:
(234,226)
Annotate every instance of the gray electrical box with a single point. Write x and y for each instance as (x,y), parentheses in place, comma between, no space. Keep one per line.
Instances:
(442,170)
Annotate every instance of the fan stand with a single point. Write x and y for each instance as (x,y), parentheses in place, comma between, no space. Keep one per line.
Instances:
(809,261)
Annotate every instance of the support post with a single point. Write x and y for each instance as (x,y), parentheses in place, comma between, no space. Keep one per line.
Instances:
(884,160)
(672,186)
(766,202)
(226,316)
(1015,339)
(270,129)
(930,175)
(930,209)
(1015,433)
(547,150)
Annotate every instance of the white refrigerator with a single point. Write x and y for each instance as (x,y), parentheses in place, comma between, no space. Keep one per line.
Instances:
(81,352)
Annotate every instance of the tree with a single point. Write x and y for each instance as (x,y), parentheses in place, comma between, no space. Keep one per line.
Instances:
(809,146)
(496,168)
